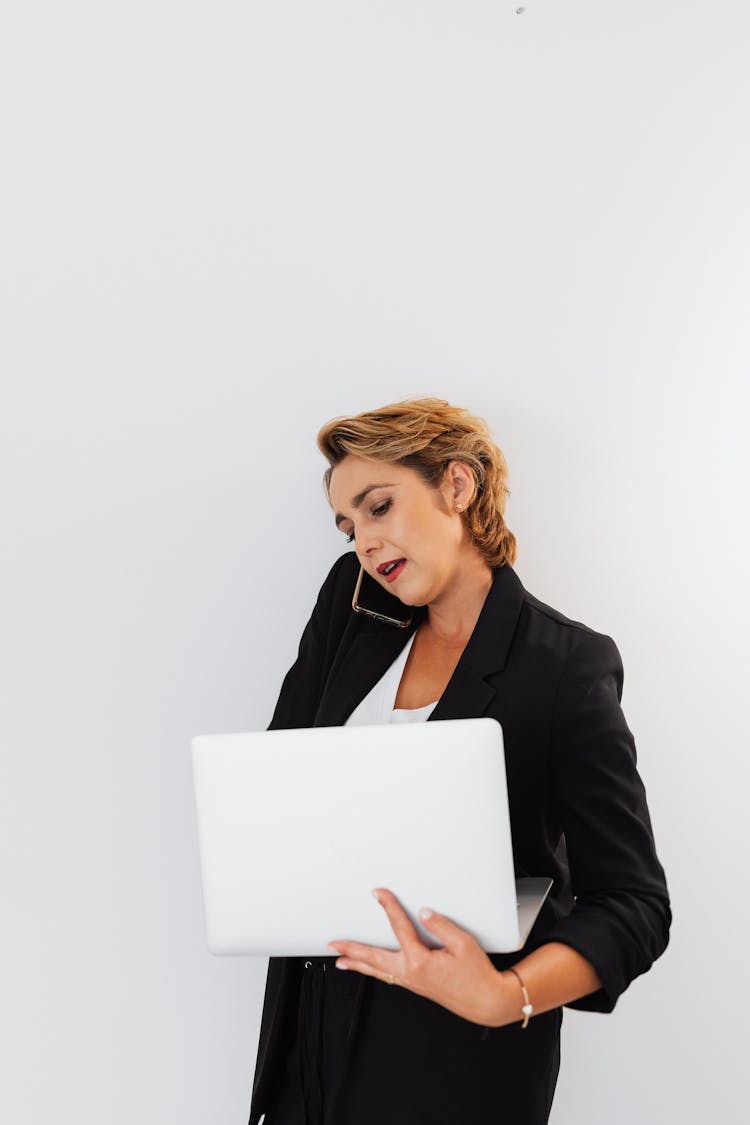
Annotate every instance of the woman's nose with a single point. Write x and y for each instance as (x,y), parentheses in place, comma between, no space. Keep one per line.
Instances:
(367,542)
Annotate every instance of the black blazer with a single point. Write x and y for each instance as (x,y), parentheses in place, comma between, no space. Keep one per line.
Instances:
(577,803)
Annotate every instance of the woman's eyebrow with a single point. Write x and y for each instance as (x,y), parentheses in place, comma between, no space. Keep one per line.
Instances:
(357,500)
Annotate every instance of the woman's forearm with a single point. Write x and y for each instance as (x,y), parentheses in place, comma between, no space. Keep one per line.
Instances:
(554,974)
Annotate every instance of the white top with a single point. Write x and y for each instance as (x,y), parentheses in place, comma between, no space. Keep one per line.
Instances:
(377,706)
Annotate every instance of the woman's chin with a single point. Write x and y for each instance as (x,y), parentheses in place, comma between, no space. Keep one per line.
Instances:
(410,597)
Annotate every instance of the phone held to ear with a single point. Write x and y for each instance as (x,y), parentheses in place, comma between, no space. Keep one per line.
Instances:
(372,600)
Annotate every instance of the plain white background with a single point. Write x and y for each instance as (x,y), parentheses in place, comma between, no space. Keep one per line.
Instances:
(225,223)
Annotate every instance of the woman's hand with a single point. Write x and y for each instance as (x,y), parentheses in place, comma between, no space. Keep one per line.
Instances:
(460,976)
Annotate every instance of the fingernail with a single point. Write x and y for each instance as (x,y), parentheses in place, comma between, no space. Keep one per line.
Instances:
(375,895)
(333,946)
(340,965)
(424,913)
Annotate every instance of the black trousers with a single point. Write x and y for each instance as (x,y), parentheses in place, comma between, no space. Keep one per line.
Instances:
(409,1061)
(314,1062)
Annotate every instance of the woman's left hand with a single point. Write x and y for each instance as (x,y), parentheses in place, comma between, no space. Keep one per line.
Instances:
(460,976)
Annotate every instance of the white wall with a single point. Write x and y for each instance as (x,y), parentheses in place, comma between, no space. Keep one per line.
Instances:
(223,224)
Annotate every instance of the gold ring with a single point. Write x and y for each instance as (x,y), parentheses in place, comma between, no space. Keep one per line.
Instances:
(389,978)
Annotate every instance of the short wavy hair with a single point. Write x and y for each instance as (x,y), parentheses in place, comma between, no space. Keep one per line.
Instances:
(426,434)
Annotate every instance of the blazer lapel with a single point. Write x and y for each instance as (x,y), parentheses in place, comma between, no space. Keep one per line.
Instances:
(359,665)
(374,646)
(468,694)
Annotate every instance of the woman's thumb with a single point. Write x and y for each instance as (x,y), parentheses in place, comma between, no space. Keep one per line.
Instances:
(441,926)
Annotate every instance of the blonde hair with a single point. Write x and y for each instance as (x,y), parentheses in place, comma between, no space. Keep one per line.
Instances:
(426,434)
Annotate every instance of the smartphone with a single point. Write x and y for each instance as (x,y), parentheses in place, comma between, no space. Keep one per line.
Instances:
(373,601)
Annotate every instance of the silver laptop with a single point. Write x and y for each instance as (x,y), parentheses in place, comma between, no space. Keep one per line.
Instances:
(295,827)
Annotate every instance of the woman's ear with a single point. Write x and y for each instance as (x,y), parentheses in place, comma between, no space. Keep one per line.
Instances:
(461,484)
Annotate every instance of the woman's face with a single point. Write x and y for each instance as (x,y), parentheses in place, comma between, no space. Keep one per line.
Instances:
(391,514)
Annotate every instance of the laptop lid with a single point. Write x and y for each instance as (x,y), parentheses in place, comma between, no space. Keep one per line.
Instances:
(295,828)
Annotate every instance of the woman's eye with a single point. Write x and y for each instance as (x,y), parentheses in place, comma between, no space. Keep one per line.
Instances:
(379,511)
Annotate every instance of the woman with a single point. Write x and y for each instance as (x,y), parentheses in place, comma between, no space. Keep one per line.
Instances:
(452,1034)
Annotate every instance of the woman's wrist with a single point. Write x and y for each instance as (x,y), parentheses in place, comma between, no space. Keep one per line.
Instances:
(527,1008)
(550,976)
(507,1000)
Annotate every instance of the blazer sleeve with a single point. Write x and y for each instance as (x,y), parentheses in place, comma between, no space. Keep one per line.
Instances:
(303,684)
(621,917)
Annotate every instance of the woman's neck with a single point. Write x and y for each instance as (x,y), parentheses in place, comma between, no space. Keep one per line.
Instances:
(452,616)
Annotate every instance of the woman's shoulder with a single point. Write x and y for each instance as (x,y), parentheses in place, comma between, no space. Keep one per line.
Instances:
(546,616)
(339,581)
(346,563)
(543,626)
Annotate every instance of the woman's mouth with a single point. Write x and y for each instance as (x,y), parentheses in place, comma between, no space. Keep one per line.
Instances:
(392,569)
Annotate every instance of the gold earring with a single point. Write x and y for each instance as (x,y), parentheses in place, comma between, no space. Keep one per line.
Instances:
(459,507)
